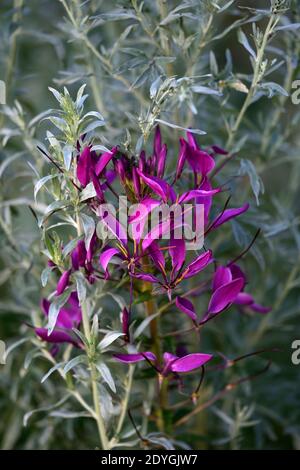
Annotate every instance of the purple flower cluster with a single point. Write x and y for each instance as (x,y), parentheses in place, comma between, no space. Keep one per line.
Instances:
(159,265)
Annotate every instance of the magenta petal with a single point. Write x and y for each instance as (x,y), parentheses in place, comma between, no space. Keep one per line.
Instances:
(161,162)
(112,224)
(81,250)
(222,276)
(187,307)
(143,209)
(204,162)
(140,217)
(181,158)
(177,253)
(136,182)
(97,187)
(125,323)
(168,359)
(225,295)
(64,319)
(260,308)
(106,256)
(63,282)
(45,305)
(146,277)
(104,159)
(237,272)
(55,336)
(132,358)
(70,315)
(84,167)
(190,362)
(155,233)
(91,248)
(199,161)
(160,187)
(244,299)
(205,200)
(74,308)
(197,193)
(192,141)
(219,150)
(229,214)
(196,266)
(156,255)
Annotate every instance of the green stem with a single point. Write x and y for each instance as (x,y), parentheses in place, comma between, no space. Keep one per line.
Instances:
(93,371)
(255,81)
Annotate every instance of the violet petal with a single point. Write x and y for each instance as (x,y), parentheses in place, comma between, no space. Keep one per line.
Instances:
(132,358)
(186,307)
(190,362)
(224,296)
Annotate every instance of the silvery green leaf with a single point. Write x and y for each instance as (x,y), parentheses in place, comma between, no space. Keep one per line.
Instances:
(36,352)
(247,168)
(142,78)
(50,371)
(224,7)
(205,90)
(52,140)
(273,89)
(92,126)
(81,336)
(160,440)
(8,161)
(81,286)
(288,27)
(68,153)
(56,94)
(175,126)
(154,87)
(106,375)
(58,122)
(213,63)
(79,96)
(117,298)
(95,114)
(14,346)
(39,117)
(58,302)
(45,408)
(115,15)
(109,338)
(66,414)
(75,362)
(95,327)
(244,41)
(107,407)
(101,148)
(39,184)
(89,228)
(70,246)
(139,145)
(53,207)
(45,275)
(88,192)
(144,325)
